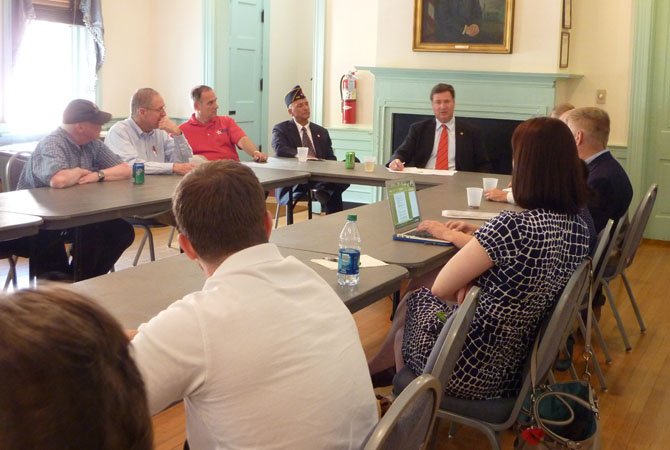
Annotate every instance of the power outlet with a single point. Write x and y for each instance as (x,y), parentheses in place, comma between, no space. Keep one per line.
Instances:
(601,96)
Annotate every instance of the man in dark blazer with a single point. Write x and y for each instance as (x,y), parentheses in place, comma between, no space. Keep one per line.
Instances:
(612,191)
(300,132)
(421,146)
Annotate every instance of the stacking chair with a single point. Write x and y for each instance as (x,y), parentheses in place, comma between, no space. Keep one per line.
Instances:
(623,259)
(283,199)
(606,242)
(146,223)
(494,416)
(409,421)
(10,180)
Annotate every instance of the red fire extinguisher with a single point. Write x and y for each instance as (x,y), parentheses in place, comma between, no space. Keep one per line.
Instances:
(348,96)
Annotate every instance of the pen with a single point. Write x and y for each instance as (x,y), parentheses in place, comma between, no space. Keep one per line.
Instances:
(330,258)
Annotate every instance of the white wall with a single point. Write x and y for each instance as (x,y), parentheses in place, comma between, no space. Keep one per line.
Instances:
(151,43)
(290,55)
(601,50)
(381,32)
(351,40)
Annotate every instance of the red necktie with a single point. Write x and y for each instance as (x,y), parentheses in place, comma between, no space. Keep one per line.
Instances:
(443,150)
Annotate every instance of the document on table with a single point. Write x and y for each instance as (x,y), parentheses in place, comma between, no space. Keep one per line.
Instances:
(419,170)
(474,215)
(365,261)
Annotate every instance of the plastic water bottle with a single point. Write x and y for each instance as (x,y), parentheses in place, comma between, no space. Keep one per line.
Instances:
(348,271)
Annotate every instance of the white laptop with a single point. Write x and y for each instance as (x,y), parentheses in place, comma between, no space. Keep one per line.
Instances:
(404,206)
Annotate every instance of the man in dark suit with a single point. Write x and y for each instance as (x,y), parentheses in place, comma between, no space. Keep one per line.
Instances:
(612,191)
(300,132)
(442,142)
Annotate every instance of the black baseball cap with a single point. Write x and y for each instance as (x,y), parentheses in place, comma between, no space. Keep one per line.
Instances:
(81,110)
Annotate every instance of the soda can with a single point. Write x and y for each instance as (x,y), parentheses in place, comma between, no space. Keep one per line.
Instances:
(138,173)
(349,160)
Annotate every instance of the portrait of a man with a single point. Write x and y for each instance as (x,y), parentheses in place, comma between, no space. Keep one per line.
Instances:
(463,25)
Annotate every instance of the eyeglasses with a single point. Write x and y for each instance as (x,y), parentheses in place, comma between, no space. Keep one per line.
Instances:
(161,109)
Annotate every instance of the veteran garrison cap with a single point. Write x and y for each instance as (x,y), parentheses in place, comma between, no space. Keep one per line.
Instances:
(81,110)
(295,94)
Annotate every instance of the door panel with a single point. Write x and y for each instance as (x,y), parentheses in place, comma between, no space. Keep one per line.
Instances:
(658,155)
(245,70)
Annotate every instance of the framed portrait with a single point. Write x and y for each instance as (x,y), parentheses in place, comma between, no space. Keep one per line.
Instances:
(567,14)
(565,50)
(470,26)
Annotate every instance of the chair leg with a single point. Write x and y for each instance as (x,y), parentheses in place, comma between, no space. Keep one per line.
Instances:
(139,249)
(617,317)
(277,215)
(603,345)
(640,320)
(152,250)
(11,273)
(171,236)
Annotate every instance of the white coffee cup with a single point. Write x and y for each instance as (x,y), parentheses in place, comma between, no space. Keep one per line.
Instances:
(490,183)
(474,196)
(369,164)
(302,154)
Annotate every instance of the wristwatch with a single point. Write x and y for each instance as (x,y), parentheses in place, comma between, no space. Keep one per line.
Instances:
(101,176)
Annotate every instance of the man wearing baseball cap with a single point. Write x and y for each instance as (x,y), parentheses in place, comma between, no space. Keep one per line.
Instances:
(297,132)
(73,154)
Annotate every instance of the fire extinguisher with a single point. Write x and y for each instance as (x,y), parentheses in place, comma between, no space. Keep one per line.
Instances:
(348,96)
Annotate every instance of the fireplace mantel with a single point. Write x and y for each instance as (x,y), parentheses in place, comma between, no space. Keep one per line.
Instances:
(494,95)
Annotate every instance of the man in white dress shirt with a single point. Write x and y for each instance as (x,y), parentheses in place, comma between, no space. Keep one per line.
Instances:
(150,136)
(266,355)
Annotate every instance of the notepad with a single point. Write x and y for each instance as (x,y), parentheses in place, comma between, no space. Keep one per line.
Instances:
(473,215)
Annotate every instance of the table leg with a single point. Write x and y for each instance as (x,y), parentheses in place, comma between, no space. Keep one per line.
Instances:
(289,208)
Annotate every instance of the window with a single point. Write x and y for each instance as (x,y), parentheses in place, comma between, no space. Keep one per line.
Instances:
(55,62)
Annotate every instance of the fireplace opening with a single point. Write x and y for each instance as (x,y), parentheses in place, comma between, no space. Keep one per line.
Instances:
(496,134)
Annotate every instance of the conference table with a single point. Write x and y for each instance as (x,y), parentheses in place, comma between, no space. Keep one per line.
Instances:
(376,227)
(137,294)
(14,226)
(335,172)
(97,202)
(84,204)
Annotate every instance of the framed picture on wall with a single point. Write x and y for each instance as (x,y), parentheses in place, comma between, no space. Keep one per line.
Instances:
(567,14)
(565,50)
(476,26)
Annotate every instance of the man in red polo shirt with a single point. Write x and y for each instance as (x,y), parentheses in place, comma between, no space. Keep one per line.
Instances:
(215,137)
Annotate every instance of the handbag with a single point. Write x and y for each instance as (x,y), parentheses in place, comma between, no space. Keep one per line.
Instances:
(560,415)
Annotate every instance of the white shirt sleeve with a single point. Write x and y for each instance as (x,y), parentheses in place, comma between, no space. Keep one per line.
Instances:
(169,352)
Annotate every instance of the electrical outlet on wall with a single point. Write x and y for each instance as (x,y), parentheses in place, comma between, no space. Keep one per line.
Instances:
(601,96)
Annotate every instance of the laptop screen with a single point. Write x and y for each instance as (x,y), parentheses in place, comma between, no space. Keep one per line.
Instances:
(403,203)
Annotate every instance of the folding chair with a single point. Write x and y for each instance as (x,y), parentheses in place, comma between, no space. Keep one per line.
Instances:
(409,421)
(623,259)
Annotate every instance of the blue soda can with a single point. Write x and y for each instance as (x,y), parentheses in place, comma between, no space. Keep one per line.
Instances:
(138,173)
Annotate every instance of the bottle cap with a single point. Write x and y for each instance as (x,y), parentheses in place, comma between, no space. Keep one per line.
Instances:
(352,217)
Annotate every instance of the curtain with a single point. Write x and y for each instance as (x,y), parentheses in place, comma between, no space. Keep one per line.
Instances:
(91,11)
(22,11)
(90,16)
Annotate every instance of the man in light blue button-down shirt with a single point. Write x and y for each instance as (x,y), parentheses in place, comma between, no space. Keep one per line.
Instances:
(150,136)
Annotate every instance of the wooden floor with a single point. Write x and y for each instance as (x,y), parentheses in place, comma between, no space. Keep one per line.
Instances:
(634,412)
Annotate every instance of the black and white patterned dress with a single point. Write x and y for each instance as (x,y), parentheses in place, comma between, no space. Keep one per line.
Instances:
(534,254)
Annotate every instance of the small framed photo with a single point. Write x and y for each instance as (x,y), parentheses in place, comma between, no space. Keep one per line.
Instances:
(567,14)
(565,50)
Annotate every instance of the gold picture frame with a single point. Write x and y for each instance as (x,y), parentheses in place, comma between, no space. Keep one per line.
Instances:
(472,26)
(567,14)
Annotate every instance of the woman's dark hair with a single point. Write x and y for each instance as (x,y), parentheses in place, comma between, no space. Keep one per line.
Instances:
(67,378)
(547,171)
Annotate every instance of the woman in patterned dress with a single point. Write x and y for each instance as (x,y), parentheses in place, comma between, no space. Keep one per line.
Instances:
(520,260)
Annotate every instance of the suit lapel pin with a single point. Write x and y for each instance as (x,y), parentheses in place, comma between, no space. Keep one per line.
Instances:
(318,135)
(461,133)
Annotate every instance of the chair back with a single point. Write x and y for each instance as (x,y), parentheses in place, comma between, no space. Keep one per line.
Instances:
(638,223)
(603,249)
(409,421)
(447,349)
(551,335)
(13,170)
